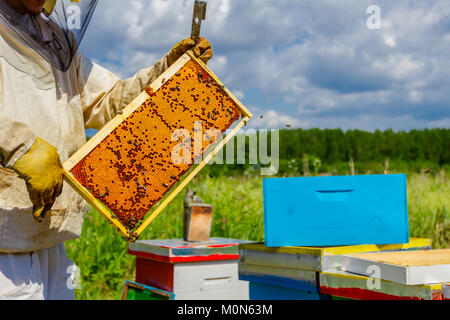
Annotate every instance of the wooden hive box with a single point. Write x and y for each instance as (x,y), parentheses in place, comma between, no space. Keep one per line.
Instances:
(408,268)
(259,291)
(335,211)
(316,258)
(299,267)
(206,270)
(136,291)
(351,286)
(128,168)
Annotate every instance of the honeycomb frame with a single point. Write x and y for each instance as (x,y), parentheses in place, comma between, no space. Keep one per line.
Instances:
(208,152)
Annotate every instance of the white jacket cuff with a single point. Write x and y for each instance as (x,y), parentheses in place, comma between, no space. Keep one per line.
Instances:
(20,152)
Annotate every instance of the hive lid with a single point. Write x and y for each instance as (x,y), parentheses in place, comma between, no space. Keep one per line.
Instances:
(136,165)
(178,250)
(409,258)
(414,243)
(408,267)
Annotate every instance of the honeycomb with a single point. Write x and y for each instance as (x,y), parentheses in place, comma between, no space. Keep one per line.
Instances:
(132,169)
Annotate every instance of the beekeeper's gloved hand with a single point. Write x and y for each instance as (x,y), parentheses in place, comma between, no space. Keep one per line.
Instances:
(202,50)
(42,170)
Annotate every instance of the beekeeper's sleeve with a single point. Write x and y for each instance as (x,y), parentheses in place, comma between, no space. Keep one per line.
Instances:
(103,94)
(16,139)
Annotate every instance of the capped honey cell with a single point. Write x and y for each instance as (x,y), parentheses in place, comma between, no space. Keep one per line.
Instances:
(132,169)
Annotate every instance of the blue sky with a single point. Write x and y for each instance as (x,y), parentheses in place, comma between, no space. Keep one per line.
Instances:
(303,63)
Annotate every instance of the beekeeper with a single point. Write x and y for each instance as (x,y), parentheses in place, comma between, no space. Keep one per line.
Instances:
(49,95)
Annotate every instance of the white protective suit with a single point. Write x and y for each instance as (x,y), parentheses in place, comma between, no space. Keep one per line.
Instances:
(37,100)
(46,274)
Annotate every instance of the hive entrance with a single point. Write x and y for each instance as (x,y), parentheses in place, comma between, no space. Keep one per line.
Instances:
(130,168)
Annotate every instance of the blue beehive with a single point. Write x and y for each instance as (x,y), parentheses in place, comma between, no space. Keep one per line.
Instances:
(332,211)
(259,291)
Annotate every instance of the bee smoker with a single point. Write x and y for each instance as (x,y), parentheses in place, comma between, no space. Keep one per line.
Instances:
(197,219)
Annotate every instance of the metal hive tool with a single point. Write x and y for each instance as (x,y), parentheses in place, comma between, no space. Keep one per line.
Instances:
(126,169)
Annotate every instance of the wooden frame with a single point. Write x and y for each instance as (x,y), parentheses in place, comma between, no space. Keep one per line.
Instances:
(158,292)
(110,126)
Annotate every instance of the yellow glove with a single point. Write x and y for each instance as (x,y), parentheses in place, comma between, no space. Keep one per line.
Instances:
(202,50)
(41,169)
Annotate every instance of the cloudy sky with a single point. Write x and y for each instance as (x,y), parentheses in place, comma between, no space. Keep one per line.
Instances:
(303,63)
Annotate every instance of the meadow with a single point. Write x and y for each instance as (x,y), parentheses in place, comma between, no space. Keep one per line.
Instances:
(101,253)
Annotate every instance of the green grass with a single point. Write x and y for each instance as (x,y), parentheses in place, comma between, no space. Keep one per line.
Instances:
(101,253)
(429,206)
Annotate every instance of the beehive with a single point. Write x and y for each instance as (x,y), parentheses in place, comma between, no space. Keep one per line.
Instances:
(128,167)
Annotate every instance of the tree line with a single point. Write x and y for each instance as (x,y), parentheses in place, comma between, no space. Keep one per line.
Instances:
(336,145)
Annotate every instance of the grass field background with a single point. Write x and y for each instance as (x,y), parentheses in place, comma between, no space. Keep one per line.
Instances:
(101,253)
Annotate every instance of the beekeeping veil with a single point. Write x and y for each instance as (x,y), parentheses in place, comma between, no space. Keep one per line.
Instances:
(57,32)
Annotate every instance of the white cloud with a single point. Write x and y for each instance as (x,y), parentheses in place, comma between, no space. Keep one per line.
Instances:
(219,65)
(390,41)
(415,96)
(239,94)
(314,60)
(274,119)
